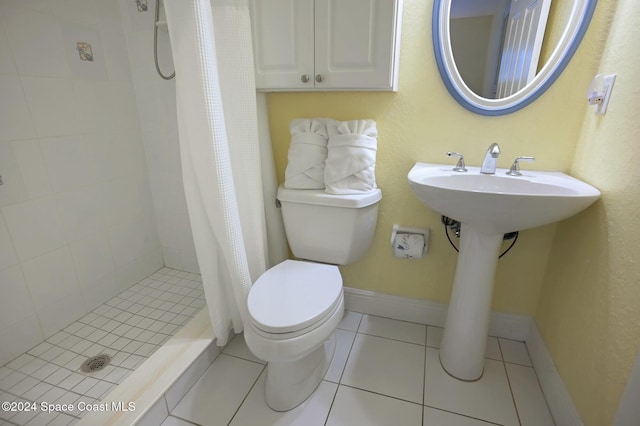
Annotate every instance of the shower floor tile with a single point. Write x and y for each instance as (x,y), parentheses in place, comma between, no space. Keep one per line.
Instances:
(385,372)
(129,328)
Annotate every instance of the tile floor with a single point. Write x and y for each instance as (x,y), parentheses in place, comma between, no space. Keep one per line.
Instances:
(385,372)
(129,328)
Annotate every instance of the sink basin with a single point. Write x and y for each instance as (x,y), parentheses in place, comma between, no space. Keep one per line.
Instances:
(500,203)
(488,206)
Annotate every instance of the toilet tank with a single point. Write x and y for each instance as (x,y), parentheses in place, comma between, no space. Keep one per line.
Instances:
(329,228)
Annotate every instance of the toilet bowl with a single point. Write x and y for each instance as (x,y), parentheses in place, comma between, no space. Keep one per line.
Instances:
(295,307)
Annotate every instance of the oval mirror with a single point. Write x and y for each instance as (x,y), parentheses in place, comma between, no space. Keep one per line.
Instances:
(498,56)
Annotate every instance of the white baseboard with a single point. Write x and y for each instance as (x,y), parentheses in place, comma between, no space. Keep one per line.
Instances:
(560,404)
(395,307)
(507,326)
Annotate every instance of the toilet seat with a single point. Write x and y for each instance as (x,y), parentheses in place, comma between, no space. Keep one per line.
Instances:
(294,297)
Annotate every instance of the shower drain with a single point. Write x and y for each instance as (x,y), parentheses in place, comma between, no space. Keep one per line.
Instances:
(95,363)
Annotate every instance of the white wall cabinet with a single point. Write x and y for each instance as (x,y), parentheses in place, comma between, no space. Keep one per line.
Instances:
(314,45)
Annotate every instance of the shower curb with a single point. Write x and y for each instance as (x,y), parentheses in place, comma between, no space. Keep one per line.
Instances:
(162,379)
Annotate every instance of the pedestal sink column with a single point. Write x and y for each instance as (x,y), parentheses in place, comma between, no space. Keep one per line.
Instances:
(465,333)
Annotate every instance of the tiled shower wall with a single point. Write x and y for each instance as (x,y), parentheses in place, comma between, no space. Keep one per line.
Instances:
(77,223)
(157,109)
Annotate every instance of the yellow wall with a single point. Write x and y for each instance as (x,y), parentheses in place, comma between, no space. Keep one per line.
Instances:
(589,312)
(420,123)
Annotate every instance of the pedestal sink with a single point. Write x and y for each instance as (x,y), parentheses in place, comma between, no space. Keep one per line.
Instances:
(488,206)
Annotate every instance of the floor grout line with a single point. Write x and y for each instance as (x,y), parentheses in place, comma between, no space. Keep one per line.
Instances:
(422,402)
(235,413)
(506,372)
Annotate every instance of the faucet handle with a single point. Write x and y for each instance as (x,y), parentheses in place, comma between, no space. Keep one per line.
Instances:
(460,166)
(515,167)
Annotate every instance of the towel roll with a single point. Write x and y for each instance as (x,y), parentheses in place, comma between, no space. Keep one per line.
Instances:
(307,154)
(351,158)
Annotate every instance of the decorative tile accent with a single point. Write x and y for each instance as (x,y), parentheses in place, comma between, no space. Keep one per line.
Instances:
(142,5)
(84,50)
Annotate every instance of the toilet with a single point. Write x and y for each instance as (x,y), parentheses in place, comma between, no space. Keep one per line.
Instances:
(295,307)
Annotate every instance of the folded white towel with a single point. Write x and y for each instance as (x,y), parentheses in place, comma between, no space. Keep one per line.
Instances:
(351,159)
(307,154)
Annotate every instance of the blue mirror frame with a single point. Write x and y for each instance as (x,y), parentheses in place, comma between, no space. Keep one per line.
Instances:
(576,28)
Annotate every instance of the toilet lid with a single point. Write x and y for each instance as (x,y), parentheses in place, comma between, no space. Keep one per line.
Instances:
(294,295)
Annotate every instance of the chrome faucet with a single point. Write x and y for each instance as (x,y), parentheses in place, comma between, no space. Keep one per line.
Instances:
(490,159)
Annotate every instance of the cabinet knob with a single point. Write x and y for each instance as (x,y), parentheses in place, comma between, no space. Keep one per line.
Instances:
(319,78)
(304,78)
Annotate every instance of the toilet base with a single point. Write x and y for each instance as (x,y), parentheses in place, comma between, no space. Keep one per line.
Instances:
(290,383)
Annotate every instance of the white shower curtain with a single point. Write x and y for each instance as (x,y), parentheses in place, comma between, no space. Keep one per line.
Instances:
(221,153)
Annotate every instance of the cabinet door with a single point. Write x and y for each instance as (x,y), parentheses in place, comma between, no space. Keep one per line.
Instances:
(356,44)
(282,32)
